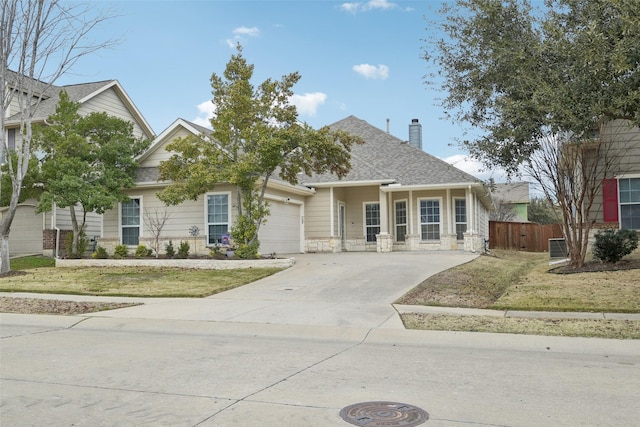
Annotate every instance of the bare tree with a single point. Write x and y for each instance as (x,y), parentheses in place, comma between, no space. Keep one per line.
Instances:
(503,212)
(570,170)
(155,220)
(39,41)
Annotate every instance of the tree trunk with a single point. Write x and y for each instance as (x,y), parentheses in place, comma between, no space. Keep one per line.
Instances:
(76,233)
(5,266)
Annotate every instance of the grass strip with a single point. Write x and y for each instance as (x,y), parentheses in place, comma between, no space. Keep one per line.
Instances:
(616,329)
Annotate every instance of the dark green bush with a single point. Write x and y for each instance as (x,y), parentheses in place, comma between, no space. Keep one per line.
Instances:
(121,251)
(142,251)
(613,245)
(100,253)
(170,250)
(183,249)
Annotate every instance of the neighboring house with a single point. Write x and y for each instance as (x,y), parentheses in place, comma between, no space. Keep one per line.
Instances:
(619,204)
(512,197)
(104,96)
(396,197)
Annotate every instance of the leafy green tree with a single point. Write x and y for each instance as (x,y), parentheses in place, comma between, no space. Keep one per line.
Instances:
(540,210)
(256,136)
(536,84)
(31,188)
(516,74)
(88,161)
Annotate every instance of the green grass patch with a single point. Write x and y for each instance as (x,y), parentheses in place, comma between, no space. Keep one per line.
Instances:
(477,284)
(30,262)
(132,282)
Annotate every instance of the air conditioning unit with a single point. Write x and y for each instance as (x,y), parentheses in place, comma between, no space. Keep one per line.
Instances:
(558,248)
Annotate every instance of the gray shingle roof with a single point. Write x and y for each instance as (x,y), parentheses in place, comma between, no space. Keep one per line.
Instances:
(51,95)
(386,157)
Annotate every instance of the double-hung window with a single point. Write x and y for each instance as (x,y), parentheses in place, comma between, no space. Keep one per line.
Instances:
(130,218)
(629,189)
(401,220)
(371,221)
(217,217)
(461,218)
(430,219)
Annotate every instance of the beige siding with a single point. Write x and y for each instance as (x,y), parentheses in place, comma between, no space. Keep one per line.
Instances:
(109,102)
(63,221)
(26,231)
(181,217)
(624,153)
(159,153)
(317,213)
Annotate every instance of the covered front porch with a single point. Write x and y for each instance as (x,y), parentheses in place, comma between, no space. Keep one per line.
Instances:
(386,217)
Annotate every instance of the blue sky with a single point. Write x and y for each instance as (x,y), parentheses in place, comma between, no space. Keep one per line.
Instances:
(360,58)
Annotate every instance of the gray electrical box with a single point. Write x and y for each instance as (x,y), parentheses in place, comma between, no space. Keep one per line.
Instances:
(558,248)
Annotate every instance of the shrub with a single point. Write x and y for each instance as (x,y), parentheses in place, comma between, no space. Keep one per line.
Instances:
(142,251)
(100,253)
(121,251)
(216,252)
(83,244)
(613,245)
(170,250)
(183,249)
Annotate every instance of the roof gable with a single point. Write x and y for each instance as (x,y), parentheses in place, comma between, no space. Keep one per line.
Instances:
(82,93)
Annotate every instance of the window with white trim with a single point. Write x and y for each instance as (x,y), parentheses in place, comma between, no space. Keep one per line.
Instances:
(629,189)
(461,217)
(218,214)
(401,220)
(430,219)
(130,219)
(371,221)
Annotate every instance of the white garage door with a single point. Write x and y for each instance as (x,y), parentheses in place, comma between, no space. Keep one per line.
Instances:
(26,232)
(281,233)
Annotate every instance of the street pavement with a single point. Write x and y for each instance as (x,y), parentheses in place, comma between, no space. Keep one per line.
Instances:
(294,349)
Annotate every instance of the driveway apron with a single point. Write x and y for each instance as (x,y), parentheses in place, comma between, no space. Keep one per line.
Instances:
(353,289)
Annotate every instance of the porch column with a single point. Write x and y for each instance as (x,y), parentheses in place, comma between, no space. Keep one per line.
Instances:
(331,213)
(384,213)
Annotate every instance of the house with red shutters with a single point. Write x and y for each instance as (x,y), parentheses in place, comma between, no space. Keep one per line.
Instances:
(618,205)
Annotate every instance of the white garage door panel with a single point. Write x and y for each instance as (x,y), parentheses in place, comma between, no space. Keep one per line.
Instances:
(281,233)
(26,232)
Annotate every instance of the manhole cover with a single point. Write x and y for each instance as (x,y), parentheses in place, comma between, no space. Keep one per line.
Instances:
(387,414)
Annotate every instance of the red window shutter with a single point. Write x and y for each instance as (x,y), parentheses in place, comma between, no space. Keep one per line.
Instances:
(610,200)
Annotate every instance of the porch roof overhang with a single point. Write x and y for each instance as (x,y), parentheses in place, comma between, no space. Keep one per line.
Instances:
(483,193)
(379,182)
(394,187)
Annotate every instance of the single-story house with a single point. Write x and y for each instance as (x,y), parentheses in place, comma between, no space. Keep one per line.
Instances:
(104,96)
(396,197)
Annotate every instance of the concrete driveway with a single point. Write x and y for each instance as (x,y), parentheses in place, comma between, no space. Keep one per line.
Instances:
(345,289)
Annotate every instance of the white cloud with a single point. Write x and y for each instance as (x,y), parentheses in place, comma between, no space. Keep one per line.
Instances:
(307,104)
(206,110)
(368,5)
(476,168)
(371,71)
(246,31)
(240,34)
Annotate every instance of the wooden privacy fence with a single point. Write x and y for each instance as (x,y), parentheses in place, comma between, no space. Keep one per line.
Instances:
(522,236)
